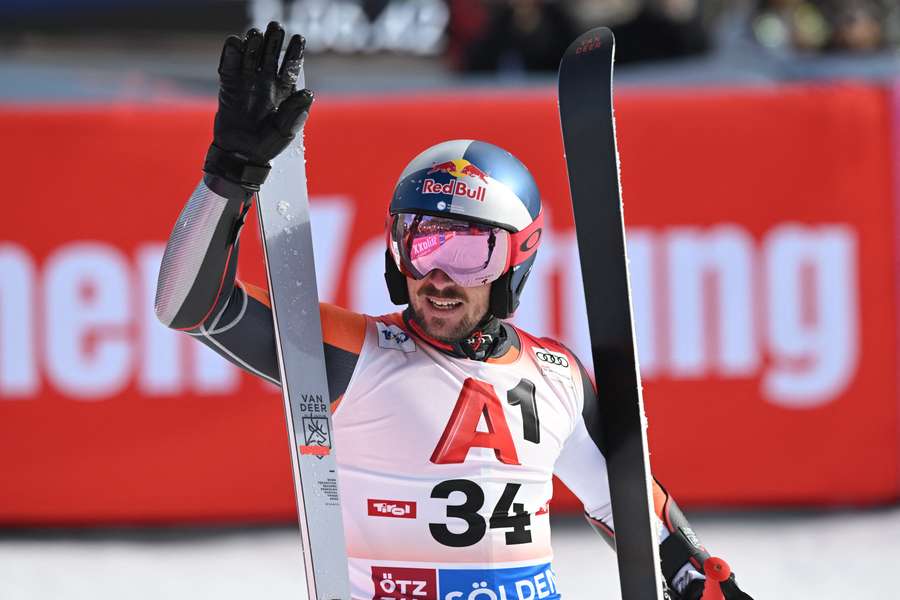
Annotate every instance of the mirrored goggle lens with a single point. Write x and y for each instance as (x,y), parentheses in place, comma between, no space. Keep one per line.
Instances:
(471,254)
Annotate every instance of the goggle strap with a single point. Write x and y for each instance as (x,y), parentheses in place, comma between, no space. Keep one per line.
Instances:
(391,222)
(523,244)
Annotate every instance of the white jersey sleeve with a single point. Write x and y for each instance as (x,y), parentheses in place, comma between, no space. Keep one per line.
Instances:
(582,467)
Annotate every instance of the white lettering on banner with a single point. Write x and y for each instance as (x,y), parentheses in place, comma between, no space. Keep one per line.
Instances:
(812,304)
(574,326)
(711,302)
(18,364)
(161,355)
(100,332)
(708,322)
(643,292)
(332,219)
(700,308)
(87,299)
(711,330)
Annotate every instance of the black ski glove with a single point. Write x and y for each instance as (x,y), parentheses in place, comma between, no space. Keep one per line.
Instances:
(260,108)
(730,590)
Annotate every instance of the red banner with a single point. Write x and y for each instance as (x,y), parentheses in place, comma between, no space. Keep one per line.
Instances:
(761,244)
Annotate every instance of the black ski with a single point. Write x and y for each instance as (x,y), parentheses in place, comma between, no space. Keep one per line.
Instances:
(588,128)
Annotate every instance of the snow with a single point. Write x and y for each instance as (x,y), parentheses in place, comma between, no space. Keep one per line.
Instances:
(819,555)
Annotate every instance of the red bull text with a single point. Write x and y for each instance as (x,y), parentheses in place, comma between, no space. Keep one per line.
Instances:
(453,188)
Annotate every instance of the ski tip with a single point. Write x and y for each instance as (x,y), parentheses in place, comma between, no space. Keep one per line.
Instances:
(716,569)
(589,41)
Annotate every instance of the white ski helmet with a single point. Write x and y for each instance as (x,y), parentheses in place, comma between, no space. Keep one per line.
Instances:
(470,209)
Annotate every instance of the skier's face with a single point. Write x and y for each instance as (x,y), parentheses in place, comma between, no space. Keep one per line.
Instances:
(447,311)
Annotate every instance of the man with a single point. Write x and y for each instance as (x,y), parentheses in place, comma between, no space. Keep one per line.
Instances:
(458,416)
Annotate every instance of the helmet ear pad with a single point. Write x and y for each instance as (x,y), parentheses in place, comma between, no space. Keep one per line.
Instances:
(506,290)
(396,281)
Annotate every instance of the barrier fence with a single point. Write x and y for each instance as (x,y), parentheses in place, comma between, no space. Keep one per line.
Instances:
(762,241)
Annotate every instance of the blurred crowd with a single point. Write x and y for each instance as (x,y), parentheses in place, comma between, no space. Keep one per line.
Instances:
(531,35)
(465,35)
(828,25)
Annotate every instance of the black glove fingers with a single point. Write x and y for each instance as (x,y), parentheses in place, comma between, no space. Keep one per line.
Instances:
(252,45)
(232,55)
(293,60)
(272,42)
(289,117)
(260,109)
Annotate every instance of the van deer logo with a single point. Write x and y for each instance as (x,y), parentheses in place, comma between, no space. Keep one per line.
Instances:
(316,436)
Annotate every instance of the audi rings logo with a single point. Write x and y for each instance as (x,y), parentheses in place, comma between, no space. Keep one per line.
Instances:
(552,358)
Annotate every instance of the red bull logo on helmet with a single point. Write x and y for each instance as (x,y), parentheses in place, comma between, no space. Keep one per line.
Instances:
(458,168)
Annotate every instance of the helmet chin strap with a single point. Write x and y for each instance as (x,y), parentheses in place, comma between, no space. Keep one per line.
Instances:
(486,340)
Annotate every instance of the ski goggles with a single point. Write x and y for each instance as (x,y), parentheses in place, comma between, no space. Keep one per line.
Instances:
(471,254)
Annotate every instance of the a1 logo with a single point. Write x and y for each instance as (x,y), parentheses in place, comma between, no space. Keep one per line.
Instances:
(476,399)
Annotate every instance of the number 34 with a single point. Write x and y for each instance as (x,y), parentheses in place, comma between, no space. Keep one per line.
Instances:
(506,514)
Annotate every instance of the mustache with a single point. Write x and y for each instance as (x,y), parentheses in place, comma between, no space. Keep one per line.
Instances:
(446,294)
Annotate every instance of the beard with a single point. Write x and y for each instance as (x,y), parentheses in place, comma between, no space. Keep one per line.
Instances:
(445,329)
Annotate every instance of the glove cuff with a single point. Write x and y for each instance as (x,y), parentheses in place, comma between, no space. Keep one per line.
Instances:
(235,168)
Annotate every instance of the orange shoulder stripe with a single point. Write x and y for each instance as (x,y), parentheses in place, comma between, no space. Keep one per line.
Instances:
(256,292)
(393,319)
(660,498)
(342,328)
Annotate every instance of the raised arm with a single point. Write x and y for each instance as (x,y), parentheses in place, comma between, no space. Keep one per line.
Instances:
(260,110)
(197,291)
